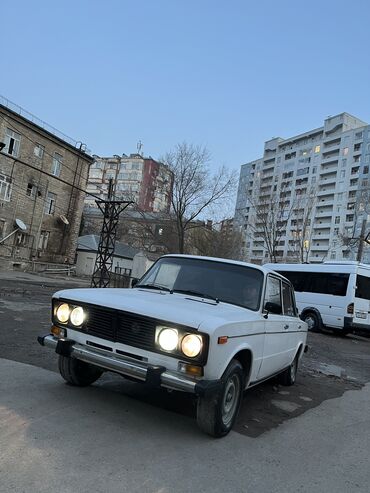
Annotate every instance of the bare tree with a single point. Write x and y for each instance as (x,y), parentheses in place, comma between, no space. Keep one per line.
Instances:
(196,190)
(353,237)
(213,241)
(301,217)
(270,214)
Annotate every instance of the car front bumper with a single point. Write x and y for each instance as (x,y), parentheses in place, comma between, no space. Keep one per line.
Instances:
(155,375)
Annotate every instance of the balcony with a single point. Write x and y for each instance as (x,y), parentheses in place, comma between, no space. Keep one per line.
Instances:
(323,225)
(326,192)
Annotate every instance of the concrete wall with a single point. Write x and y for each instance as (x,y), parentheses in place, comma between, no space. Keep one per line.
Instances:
(85,263)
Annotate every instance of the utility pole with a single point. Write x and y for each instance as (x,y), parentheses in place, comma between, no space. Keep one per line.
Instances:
(111,210)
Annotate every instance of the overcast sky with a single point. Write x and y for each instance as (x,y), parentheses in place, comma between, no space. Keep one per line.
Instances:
(227,74)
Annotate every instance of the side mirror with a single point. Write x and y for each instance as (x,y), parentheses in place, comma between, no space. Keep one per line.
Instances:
(273,308)
(134,281)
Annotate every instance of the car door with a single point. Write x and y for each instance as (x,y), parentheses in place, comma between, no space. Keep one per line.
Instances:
(278,326)
(293,325)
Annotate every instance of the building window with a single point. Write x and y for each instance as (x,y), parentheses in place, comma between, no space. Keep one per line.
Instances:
(2,228)
(5,187)
(39,151)
(12,142)
(317,149)
(43,240)
(344,162)
(31,190)
(345,151)
(57,164)
(21,239)
(343,173)
(314,169)
(50,203)
(333,255)
(337,220)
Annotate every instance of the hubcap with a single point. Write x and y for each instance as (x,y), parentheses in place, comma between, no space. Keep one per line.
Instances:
(230,399)
(293,370)
(310,321)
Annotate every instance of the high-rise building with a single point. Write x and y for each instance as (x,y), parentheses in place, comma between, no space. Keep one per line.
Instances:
(308,197)
(145,181)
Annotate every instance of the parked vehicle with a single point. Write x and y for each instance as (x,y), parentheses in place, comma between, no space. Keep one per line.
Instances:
(331,294)
(207,326)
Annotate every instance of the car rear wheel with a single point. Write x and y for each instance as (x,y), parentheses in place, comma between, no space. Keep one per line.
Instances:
(288,377)
(78,373)
(217,411)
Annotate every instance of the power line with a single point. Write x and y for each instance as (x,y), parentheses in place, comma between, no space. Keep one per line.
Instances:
(16,160)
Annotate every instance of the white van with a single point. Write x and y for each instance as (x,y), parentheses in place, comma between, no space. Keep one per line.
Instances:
(332,294)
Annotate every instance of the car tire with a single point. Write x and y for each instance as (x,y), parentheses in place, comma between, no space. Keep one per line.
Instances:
(217,411)
(288,377)
(313,321)
(78,373)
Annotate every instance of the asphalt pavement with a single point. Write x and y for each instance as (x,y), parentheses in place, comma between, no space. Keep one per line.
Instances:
(123,436)
(57,438)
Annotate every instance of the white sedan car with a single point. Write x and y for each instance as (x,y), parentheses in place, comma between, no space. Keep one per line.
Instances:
(208,326)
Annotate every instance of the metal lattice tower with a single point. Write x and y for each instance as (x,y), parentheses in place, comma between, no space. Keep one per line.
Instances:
(111,210)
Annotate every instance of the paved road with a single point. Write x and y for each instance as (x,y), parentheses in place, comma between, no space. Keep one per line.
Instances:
(56,438)
(332,366)
(122,436)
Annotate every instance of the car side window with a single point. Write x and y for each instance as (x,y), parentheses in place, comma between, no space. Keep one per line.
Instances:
(273,294)
(288,303)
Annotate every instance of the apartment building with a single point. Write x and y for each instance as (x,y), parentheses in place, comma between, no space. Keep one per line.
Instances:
(42,177)
(143,180)
(307,197)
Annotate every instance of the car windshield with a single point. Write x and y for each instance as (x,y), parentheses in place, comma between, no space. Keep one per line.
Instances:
(231,283)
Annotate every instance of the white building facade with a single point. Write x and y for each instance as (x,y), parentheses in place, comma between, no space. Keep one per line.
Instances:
(320,182)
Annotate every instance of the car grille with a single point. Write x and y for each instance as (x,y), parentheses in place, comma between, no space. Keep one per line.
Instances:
(118,326)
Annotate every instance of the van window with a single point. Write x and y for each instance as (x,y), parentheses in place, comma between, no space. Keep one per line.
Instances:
(318,282)
(363,287)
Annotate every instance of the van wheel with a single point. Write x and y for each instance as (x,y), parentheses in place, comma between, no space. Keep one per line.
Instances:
(288,377)
(78,373)
(313,321)
(217,411)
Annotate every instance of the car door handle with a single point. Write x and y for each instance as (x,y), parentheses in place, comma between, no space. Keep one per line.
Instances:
(286,327)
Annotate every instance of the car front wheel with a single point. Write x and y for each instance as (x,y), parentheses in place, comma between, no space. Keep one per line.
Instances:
(217,411)
(78,373)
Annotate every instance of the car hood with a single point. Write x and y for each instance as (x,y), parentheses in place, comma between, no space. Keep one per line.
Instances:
(178,308)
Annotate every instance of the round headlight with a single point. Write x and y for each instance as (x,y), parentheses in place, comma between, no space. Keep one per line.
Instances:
(168,339)
(77,316)
(191,345)
(63,312)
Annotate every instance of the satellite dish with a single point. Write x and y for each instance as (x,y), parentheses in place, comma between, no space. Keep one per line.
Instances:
(64,219)
(20,225)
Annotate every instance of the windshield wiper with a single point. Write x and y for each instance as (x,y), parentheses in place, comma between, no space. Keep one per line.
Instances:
(196,293)
(154,286)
